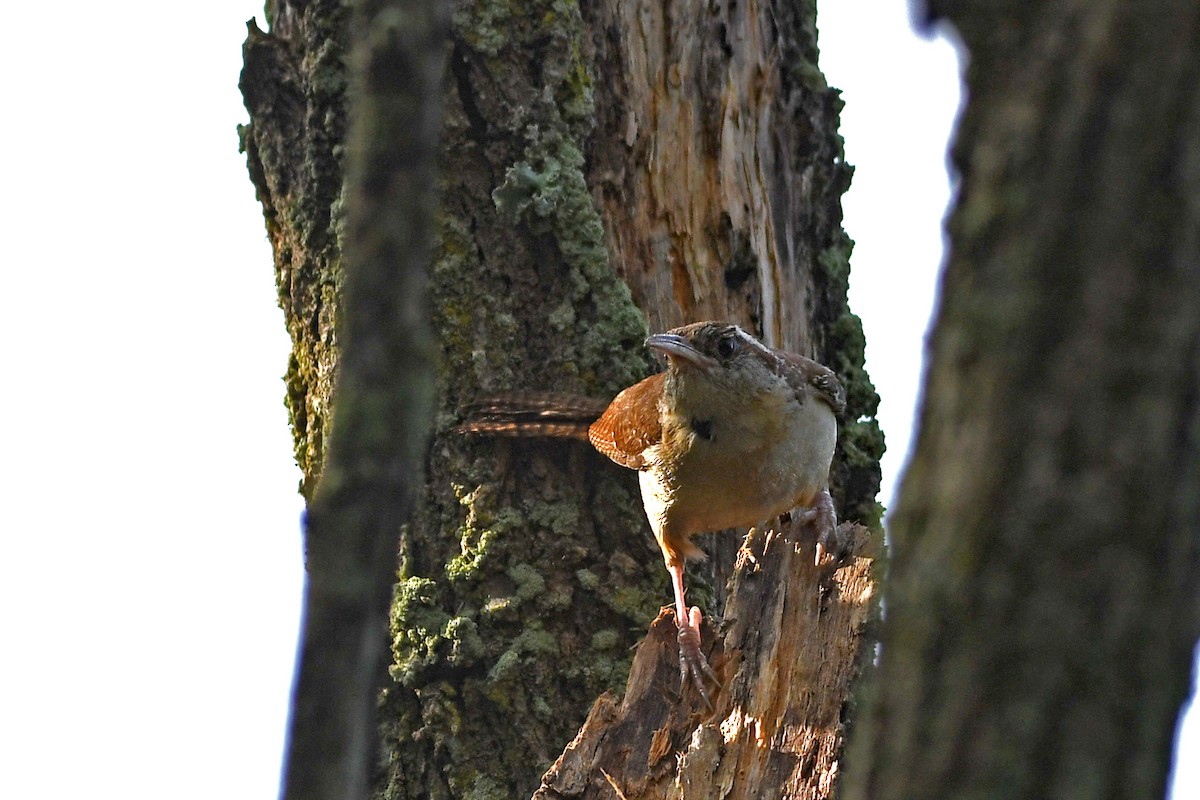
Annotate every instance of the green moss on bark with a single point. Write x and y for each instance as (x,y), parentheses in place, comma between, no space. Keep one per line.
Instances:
(860,439)
(294,87)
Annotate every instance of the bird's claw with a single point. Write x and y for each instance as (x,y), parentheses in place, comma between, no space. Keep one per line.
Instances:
(824,518)
(829,543)
(693,666)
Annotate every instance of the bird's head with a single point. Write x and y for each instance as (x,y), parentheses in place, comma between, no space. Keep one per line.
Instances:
(717,363)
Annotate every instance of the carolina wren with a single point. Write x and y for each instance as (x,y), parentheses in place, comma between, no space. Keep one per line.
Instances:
(733,433)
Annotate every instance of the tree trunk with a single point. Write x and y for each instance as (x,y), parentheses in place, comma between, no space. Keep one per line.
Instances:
(1042,611)
(293,84)
(385,389)
(602,167)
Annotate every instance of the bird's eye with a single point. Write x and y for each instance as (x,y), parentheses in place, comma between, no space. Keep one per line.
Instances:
(727,346)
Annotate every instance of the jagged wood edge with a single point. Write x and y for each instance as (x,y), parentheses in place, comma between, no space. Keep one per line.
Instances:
(788,652)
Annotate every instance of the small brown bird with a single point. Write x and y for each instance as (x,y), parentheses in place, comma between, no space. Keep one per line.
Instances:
(732,434)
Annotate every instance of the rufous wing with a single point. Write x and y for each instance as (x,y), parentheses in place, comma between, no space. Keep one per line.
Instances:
(630,424)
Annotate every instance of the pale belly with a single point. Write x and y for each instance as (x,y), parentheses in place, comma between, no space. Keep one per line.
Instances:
(723,483)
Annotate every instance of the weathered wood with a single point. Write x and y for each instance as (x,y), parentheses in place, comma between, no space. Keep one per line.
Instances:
(709,172)
(787,652)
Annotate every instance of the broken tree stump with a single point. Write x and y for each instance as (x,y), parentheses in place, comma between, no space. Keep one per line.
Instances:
(787,652)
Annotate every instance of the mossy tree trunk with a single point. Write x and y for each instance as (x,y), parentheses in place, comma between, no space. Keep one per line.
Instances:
(294,87)
(1043,606)
(604,171)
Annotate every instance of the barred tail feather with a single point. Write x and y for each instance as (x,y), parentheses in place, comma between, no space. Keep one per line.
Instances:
(536,414)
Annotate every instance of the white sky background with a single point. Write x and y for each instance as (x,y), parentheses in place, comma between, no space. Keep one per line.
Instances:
(150,584)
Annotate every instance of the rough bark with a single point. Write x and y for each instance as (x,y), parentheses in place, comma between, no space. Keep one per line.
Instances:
(385,391)
(599,170)
(1043,606)
(293,84)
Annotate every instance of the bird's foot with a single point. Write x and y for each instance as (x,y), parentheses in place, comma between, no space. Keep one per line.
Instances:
(824,518)
(693,666)
(832,543)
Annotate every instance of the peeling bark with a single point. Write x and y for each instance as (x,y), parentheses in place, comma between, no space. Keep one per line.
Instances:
(702,157)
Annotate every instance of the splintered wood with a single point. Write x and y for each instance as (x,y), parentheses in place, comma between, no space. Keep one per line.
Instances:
(787,653)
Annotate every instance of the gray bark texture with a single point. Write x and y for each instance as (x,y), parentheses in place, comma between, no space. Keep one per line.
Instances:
(1042,608)
(606,169)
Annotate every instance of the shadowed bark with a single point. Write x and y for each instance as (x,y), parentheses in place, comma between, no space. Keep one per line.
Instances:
(1042,610)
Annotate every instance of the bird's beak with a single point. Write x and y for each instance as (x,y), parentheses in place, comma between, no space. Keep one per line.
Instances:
(679,350)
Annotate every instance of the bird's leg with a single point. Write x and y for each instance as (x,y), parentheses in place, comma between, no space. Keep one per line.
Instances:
(824,517)
(692,663)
